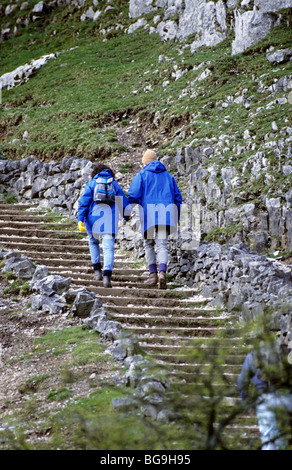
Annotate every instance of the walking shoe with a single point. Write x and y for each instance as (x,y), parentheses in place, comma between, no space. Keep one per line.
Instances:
(97,275)
(162,280)
(107,281)
(152,280)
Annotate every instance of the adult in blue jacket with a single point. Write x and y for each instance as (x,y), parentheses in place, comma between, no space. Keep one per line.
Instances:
(101,222)
(159,199)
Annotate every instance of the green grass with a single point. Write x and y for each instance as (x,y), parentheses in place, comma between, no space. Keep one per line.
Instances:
(16,286)
(9,198)
(64,107)
(82,343)
(64,103)
(33,383)
(125,168)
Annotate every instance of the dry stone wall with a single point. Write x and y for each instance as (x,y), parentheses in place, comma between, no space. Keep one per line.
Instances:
(56,185)
(224,211)
(213,191)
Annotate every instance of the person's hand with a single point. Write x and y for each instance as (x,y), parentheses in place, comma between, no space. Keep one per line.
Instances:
(81,227)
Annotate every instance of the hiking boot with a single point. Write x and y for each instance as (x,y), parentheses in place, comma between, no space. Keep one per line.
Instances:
(107,281)
(162,280)
(152,280)
(97,275)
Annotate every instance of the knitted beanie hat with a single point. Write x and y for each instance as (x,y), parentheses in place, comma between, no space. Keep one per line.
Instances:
(148,157)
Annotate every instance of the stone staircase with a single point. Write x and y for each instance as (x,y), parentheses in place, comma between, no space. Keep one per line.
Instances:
(168,323)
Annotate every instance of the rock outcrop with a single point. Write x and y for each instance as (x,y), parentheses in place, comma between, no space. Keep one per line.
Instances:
(210,21)
(214,197)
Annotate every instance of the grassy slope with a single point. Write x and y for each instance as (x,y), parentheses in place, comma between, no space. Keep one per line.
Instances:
(63,106)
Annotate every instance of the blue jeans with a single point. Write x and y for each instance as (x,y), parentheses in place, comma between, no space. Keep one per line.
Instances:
(271,425)
(108,242)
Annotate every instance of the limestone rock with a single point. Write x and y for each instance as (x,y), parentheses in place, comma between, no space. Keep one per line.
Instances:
(21,74)
(281,56)
(20,265)
(50,284)
(250,27)
(53,304)
(84,302)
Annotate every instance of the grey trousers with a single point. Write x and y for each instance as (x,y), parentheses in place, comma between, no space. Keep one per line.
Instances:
(156,251)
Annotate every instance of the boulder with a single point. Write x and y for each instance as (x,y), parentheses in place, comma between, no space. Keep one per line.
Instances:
(124,347)
(54,304)
(85,303)
(51,284)
(20,265)
(281,56)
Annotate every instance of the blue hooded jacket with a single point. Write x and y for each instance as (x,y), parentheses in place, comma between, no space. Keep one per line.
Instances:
(159,198)
(101,218)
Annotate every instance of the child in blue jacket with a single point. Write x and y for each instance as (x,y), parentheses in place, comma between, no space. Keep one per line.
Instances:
(272,400)
(101,222)
(159,199)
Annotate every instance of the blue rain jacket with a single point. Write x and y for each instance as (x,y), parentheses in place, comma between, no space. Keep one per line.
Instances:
(101,219)
(159,198)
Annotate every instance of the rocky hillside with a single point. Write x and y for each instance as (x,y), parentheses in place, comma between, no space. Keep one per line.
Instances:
(206,84)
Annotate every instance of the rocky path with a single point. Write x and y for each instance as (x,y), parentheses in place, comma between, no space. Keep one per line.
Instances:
(167,322)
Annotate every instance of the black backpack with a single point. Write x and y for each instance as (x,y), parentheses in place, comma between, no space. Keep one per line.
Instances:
(104,191)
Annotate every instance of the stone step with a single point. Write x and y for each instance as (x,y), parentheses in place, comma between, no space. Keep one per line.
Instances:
(175,333)
(49,239)
(31,230)
(118,273)
(53,250)
(196,377)
(151,340)
(120,268)
(40,246)
(116,276)
(139,292)
(27,222)
(141,300)
(161,315)
(177,356)
(59,258)
(26,216)
(17,208)
(55,259)
(130,283)
(195,368)
(56,255)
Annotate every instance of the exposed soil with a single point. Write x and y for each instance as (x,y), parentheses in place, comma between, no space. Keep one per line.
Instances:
(137,133)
